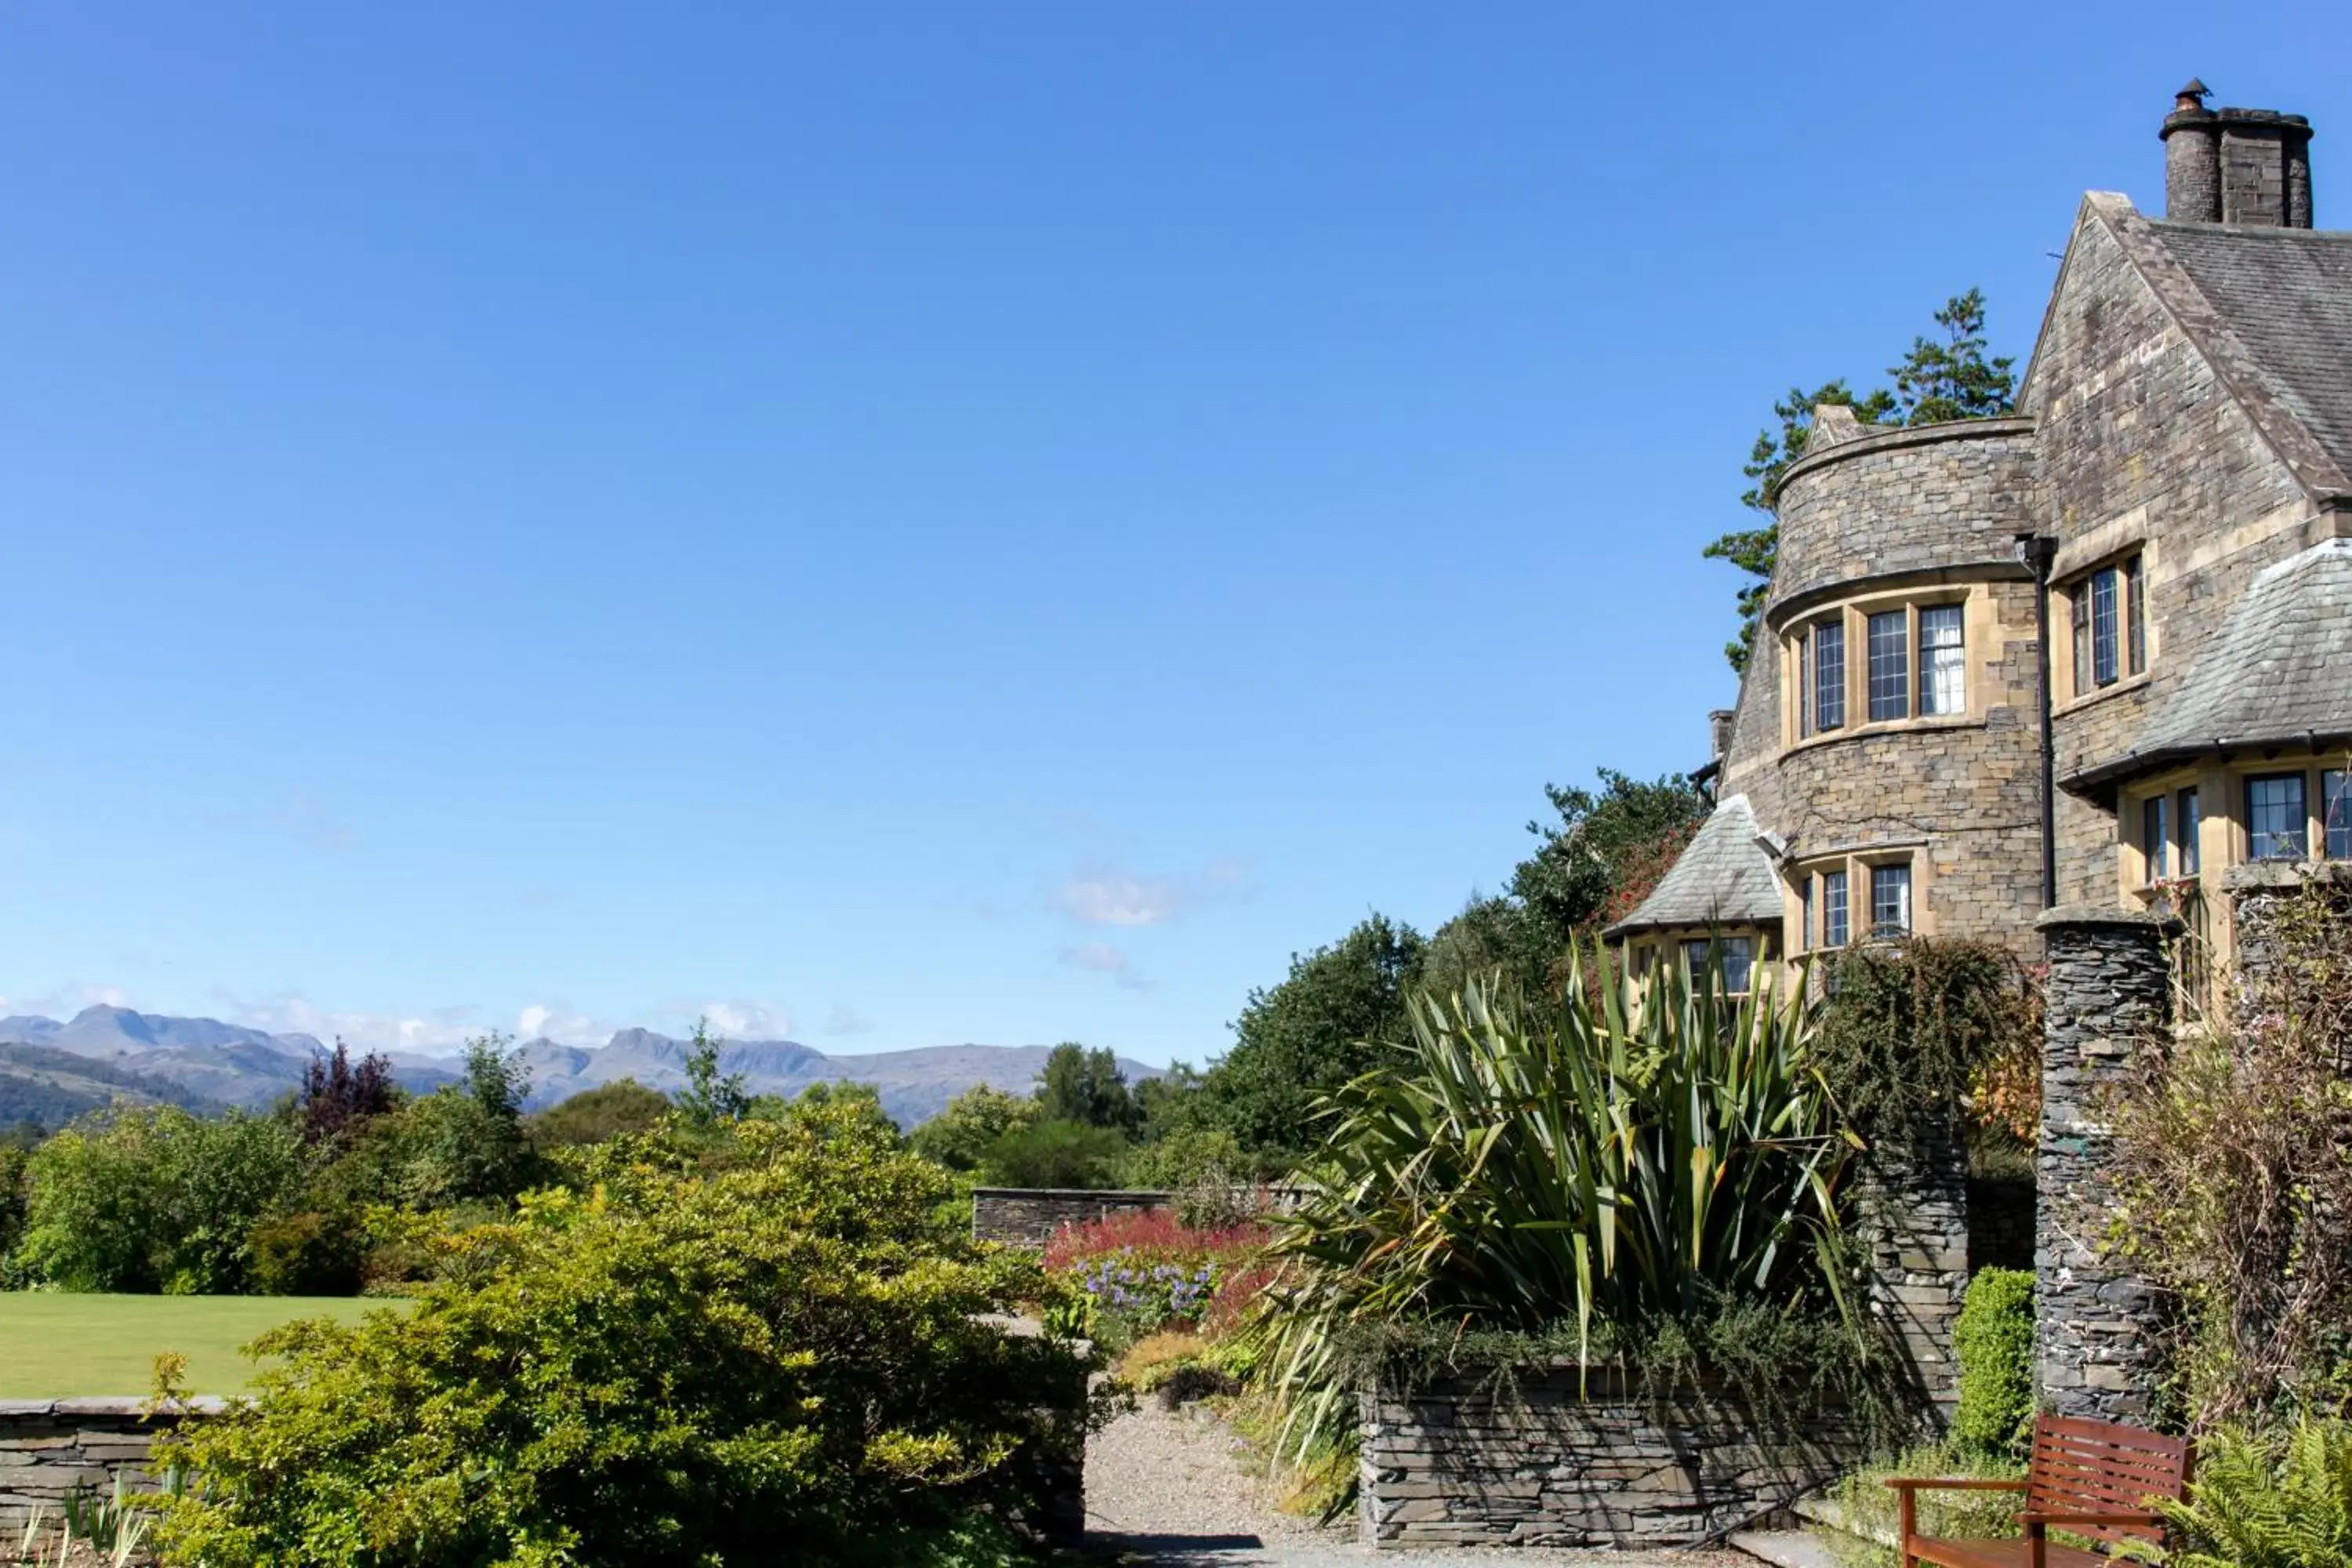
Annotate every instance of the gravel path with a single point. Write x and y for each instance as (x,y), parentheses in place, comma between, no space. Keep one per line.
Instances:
(1168,1488)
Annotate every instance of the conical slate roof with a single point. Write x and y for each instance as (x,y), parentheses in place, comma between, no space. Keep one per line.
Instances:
(1724,878)
(2280,674)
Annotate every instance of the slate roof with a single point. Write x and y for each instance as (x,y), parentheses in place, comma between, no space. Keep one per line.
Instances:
(2280,673)
(2285,296)
(1724,878)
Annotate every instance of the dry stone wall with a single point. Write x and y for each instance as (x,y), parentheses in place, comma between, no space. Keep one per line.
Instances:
(52,1448)
(1029,1216)
(2108,999)
(1551,1462)
(1914,1209)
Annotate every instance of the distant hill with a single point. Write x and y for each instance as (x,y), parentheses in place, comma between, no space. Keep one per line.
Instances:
(233,1065)
(53,1087)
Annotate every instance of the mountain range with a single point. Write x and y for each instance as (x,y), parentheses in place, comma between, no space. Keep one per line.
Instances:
(203,1060)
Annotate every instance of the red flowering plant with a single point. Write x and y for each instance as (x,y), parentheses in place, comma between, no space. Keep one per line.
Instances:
(1145,1269)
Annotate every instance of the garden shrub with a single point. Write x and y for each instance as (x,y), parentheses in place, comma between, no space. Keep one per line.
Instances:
(2267,1501)
(309,1254)
(1143,1269)
(769,1363)
(1994,1342)
(1586,1170)
(153,1199)
(2235,1181)
(1915,1030)
(1055,1154)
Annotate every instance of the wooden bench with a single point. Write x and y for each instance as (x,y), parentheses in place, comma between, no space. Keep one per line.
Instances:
(2090,1478)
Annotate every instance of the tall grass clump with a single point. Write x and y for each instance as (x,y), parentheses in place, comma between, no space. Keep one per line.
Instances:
(1603,1178)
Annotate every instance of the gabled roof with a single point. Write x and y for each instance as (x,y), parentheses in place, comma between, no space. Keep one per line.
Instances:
(2269,309)
(1723,878)
(2280,673)
(2286,293)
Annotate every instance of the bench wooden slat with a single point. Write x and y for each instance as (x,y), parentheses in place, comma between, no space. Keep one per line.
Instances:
(2076,1467)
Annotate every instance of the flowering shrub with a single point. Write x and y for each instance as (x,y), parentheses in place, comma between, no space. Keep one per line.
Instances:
(1152,1293)
(1145,1270)
(1153,1235)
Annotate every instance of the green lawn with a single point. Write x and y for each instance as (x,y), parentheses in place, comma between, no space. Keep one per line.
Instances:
(53,1345)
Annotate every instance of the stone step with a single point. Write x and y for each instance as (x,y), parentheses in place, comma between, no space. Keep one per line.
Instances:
(1785,1547)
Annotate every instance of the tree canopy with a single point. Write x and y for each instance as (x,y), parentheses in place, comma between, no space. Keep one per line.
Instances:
(1322,1026)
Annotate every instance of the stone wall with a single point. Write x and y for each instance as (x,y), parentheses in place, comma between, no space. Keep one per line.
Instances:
(2262,892)
(2108,999)
(1028,1216)
(1912,499)
(51,1448)
(1913,1206)
(1456,1463)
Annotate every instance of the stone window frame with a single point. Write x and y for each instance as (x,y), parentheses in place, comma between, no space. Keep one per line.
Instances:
(2137,628)
(1644,949)
(2223,839)
(1805,906)
(1980,643)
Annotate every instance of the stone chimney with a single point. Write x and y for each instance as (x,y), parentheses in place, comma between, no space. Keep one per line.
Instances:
(2236,165)
(1719,733)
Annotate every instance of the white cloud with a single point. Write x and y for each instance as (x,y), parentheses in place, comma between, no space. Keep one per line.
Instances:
(438,1030)
(846,1020)
(1103,896)
(62,1002)
(1102,958)
(747,1020)
(1119,899)
(434,1031)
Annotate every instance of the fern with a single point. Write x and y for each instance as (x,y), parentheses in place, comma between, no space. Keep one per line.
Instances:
(2260,1503)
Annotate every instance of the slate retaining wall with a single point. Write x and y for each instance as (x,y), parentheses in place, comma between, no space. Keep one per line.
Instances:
(51,1449)
(1028,1216)
(1454,1464)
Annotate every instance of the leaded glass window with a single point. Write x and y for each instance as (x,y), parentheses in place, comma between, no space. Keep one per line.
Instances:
(1829,675)
(2136,611)
(1943,670)
(1738,963)
(2193,821)
(2082,598)
(1890,900)
(2103,627)
(2276,818)
(1833,909)
(1890,665)
(1804,686)
(2156,835)
(2336,811)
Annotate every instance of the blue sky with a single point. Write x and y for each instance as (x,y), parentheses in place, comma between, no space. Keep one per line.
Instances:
(909,524)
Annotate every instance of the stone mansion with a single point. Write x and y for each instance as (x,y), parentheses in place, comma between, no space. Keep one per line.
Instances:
(2172,499)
